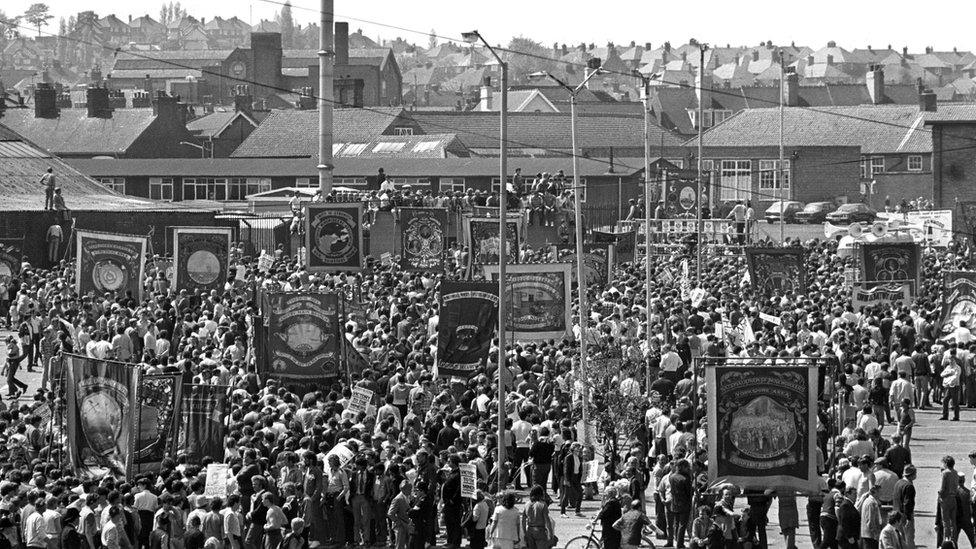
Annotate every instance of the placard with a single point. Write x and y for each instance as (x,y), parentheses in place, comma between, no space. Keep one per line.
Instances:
(469,480)
(591,471)
(343,452)
(216,486)
(770,319)
(360,400)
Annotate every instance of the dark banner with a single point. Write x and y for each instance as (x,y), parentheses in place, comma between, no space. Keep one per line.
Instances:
(11,253)
(762,426)
(157,422)
(681,198)
(624,243)
(871,294)
(204,410)
(891,262)
(481,238)
(333,237)
(959,301)
(100,402)
(539,300)
(422,238)
(107,262)
(302,335)
(201,257)
(596,262)
(968,210)
(468,316)
(777,270)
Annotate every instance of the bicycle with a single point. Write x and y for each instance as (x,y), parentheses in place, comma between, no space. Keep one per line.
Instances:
(592,541)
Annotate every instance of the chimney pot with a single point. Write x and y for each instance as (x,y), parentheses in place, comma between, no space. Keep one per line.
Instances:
(98,103)
(791,90)
(831,44)
(341,43)
(875,83)
(45,101)
(830,60)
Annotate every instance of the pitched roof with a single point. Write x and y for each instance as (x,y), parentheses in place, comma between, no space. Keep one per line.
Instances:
(876,129)
(196,59)
(212,124)
(291,133)
(73,132)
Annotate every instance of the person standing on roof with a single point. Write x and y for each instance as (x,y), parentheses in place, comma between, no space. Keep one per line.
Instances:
(47,180)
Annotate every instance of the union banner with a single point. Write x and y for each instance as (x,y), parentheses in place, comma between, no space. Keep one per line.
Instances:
(891,262)
(301,336)
(959,300)
(762,425)
(333,237)
(538,300)
(482,239)
(870,294)
(776,270)
(200,257)
(11,255)
(422,238)
(157,422)
(107,262)
(468,316)
(596,262)
(204,409)
(101,397)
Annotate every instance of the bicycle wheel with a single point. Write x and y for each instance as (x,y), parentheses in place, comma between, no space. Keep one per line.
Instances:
(646,542)
(583,542)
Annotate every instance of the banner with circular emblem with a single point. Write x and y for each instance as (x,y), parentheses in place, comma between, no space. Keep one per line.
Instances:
(333,237)
(200,257)
(109,263)
(422,238)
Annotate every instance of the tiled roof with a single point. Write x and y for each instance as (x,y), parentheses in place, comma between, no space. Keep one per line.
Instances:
(357,56)
(165,73)
(73,132)
(292,133)
(877,129)
(211,124)
(196,59)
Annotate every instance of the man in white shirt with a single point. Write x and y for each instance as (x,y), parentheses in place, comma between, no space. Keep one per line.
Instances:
(521,430)
(962,335)
(900,390)
(35,527)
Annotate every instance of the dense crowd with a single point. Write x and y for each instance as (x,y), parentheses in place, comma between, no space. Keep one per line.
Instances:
(403,485)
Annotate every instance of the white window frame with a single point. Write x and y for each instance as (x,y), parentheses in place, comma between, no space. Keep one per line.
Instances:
(452,184)
(159,187)
(117,184)
(389,147)
(915,159)
(303,182)
(773,180)
(865,168)
(495,184)
(402,130)
(254,185)
(877,165)
(413,181)
(354,149)
(350,181)
(735,180)
(425,146)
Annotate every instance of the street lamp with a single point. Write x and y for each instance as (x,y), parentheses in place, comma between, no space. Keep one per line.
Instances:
(646,82)
(594,64)
(474,37)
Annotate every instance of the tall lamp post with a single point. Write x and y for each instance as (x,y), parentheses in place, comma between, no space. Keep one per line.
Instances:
(595,65)
(648,336)
(474,37)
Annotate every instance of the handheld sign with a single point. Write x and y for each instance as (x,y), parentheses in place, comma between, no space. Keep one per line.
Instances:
(360,400)
(591,471)
(469,480)
(216,485)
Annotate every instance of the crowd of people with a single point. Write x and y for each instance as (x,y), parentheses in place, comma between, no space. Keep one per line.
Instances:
(402,487)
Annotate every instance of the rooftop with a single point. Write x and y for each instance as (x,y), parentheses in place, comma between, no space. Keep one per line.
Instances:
(73,132)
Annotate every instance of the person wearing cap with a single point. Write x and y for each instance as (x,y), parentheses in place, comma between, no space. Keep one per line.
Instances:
(69,538)
(948,497)
(904,502)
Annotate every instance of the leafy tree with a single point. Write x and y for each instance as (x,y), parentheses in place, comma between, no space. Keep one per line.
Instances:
(9,27)
(164,14)
(432,39)
(37,15)
(62,51)
(521,65)
(287,24)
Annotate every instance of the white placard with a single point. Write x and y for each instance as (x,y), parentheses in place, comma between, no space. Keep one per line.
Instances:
(469,480)
(360,400)
(591,471)
(344,453)
(770,319)
(216,486)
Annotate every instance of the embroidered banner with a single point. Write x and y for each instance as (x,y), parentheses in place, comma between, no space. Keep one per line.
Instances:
(762,426)
(302,335)
(538,297)
(596,262)
(959,300)
(422,238)
(200,257)
(204,410)
(776,270)
(482,239)
(333,237)
(468,316)
(157,422)
(100,401)
(106,262)
(891,262)
(870,294)
(11,255)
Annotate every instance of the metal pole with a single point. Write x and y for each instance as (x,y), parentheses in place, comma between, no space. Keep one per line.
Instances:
(502,260)
(326,96)
(701,164)
(781,173)
(647,231)
(580,279)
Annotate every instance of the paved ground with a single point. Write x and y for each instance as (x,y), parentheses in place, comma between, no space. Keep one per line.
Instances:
(934,439)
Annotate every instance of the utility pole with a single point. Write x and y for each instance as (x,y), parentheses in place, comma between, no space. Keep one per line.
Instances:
(781,172)
(326,95)
(702,47)
(647,231)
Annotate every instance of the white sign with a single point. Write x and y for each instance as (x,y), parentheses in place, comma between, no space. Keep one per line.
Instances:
(591,471)
(216,485)
(770,319)
(265,262)
(343,452)
(469,480)
(931,226)
(360,400)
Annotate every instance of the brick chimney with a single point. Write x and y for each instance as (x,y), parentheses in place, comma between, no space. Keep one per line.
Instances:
(703,90)
(45,101)
(141,99)
(266,61)
(927,101)
(243,100)
(791,90)
(165,106)
(830,60)
(874,79)
(809,60)
(96,99)
(486,95)
(341,43)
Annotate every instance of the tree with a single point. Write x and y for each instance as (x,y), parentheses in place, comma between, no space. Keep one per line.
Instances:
(287,25)
(62,39)
(520,66)
(432,39)
(37,15)
(164,14)
(9,27)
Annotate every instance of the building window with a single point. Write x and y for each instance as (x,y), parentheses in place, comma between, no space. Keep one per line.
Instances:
(915,163)
(877,165)
(495,187)
(452,184)
(117,184)
(582,189)
(412,181)
(865,169)
(257,185)
(425,146)
(772,178)
(210,188)
(161,188)
(349,181)
(735,180)
(354,149)
(402,130)
(388,147)
(303,182)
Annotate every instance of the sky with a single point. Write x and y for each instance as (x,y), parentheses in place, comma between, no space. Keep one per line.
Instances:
(850,23)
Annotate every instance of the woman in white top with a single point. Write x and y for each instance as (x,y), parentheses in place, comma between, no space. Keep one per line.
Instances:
(505,528)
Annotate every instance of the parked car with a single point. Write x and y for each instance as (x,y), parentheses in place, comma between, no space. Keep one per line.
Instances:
(788,209)
(852,213)
(814,212)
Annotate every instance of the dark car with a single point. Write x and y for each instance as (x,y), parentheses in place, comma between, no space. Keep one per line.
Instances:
(814,212)
(788,208)
(852,213)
